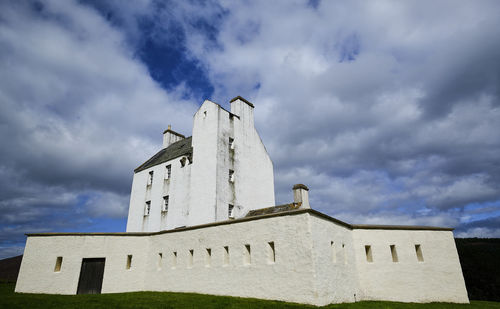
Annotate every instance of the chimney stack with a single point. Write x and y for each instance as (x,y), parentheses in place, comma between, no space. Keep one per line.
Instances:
(170,137)
(301,195)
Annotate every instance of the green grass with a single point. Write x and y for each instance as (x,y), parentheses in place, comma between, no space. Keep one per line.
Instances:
(9,299)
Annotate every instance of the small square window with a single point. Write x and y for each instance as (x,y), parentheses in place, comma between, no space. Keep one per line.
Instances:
(168,171)
(418,251)
(129,261)
(226,255)
(271,254)
(394,253)
(247,257)
(150,178)
(57,268)
(368,252)
(230,211)
(165,204)
(147,208)
(231,143)
(231,176)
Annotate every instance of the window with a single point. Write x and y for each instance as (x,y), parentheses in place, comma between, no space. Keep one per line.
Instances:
(394,253)
(230,211)
(168,171)
(150,178)
(231,176)
(129,261)
(231,143)
(191,258)
(247,257)
(334,254)
(345,253)
(418,251)
(57,268)
(174,259)
(271,254)
(164,208)
(368,252)
(208,257)
(147,208)
(226,255)
(160,260)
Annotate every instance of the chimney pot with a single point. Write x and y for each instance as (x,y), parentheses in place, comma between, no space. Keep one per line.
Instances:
(301,195)
(170,137)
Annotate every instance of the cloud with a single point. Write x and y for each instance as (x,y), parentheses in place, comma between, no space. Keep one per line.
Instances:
(78,112)
(380,108)
(387,110)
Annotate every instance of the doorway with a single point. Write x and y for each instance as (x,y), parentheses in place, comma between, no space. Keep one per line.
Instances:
(91,275)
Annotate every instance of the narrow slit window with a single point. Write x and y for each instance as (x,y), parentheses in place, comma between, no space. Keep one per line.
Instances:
(147,208)
(418,251)
(344,251)
(150,178)
(160,260)
(230,211)
(332,250)
(208,257)
(394,253)
(226,255)
(368,252)
(174,259)
(191,258)
(271,254)
(168,171)
(129,261)
(231,143)
(164,208)
(58,266)
(231,176)
(247,258)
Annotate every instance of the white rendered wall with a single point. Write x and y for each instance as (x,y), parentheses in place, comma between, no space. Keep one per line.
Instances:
(201,192)
(254,176)
(177,188)
(438,278)
(290,277)
(37,275)
(335,265)
(303,270)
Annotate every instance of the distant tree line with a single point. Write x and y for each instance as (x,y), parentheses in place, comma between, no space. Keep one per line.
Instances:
(480,260)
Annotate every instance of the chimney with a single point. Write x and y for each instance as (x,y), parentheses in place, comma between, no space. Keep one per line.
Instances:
(301,195)
(170,137)
(242,108)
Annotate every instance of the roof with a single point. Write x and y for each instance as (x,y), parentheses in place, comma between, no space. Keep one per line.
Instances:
(175,150)
(272,210)
(241,99)
(252,218)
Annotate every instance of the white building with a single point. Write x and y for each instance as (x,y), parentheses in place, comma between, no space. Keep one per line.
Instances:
(221,172)
(190,242)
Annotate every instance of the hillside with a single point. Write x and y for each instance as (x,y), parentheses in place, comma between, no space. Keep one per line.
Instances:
(480,260)
(9,268)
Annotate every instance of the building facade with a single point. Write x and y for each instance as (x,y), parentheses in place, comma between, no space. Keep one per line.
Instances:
(198,243)
(220,172)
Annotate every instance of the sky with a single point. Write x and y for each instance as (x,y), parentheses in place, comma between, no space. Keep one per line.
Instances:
(389,111)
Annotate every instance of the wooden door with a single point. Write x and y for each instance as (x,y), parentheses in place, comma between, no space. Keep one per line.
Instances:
(91,275)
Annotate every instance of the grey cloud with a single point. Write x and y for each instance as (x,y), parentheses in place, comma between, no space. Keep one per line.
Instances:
(75,116)
(410,122)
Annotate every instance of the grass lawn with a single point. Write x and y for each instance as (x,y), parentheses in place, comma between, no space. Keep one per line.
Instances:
(9,299)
